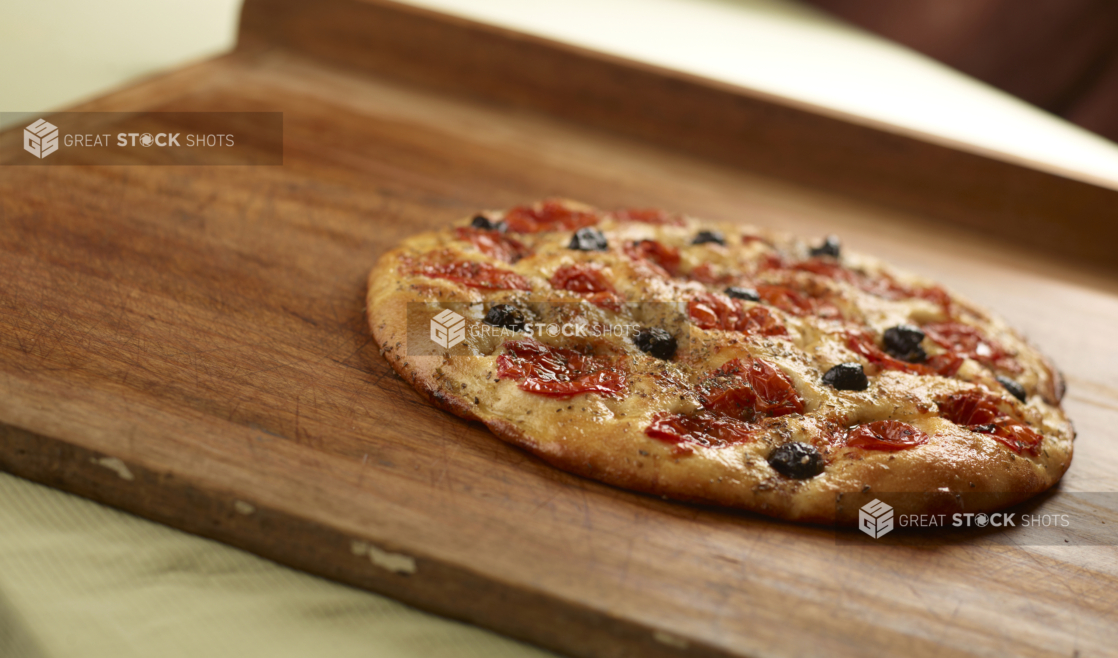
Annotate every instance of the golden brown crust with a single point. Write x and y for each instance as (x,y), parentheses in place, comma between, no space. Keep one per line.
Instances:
(604,438)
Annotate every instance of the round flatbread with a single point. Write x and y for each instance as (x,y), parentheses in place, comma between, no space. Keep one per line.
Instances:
(719,363)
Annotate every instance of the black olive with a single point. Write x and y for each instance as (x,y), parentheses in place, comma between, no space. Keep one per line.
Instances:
(748,294)
(798,461)
(989,428)
(703,237)
(847,377)
(505,316)
(588,239)
(484,223)
(903,342)
(830,247)
(656,341)
(1015,389)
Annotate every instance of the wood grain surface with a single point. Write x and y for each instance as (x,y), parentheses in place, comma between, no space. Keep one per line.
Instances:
(189,343)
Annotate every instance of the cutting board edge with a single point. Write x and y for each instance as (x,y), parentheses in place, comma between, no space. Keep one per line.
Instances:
(223,517)
(807,145)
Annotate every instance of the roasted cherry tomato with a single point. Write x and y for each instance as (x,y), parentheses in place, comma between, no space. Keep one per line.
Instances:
(981,411)
(750,387)
(559,372)
(493,243)
(704,428)
(475,275)
(548,216)
(886,435)
(718,311)
(654,253)
(967,341)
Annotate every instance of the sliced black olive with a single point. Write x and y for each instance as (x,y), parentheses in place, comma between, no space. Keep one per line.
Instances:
(505,316)
(656,341)
(484,223)
(830,247)
(703,237)
(748,294)
(796,460)
(588,239)
(1015,389)
(903,342)
(847,377)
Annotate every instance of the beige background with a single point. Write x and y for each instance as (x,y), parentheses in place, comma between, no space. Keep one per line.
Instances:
(54,53)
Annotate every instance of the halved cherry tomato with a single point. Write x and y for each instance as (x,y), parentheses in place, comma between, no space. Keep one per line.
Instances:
(475,275)
(886,435)
(981,411)
(936,295)
(559,372)
(967,341)
(581,277)
(862,343)
(880,284)
(786,299)
(550,215)
(704,428)
(717,311)
(656,254)
(588,279)
(494,243)
(745,388)
(705,273)
(759,321)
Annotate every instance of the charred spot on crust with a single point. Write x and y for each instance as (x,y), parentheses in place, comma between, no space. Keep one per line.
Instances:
(656,341)
(505,316)
(903,342)
(1015,389)
(588,239)
(748,294)
(704,237)
(831,247)
(847,377)
(796,460)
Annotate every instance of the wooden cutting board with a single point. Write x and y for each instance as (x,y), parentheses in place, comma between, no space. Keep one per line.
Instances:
(189,344)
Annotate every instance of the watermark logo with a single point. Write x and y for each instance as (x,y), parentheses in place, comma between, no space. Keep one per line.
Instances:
(474,329)
(143,138)
(940,517)
(448,329)
(40,139)
(875,519)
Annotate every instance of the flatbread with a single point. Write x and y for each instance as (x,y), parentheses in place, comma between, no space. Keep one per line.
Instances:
(756,406)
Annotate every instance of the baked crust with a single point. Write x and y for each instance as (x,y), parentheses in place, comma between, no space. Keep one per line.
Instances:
(604,438)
